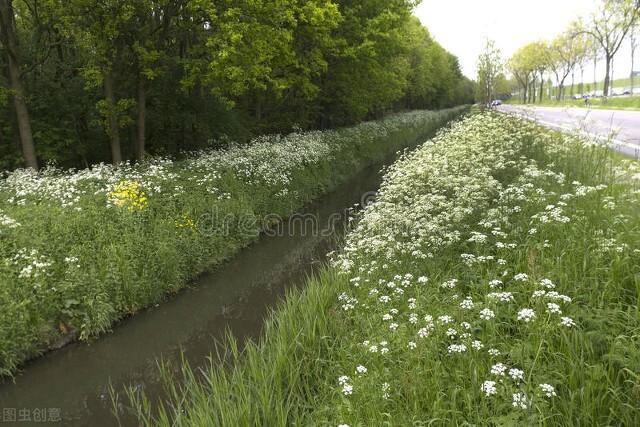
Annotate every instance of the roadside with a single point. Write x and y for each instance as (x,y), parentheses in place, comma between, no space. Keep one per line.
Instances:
(620,129)
(630,103)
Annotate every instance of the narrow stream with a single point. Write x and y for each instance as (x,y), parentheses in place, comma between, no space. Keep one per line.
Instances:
(237,296)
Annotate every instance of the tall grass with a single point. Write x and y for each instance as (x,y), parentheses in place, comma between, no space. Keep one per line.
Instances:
(494,282)
(81,249)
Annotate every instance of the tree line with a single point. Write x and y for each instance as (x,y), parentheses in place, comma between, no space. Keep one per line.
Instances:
(85,81)
(597,38)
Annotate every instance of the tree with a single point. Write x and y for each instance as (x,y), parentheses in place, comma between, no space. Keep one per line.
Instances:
(115,79)
(585,57)
(369,69)
(150,33)
(520,68)
(609,27)
(527,64)
(10,43)
(539,60)
(435,79)
(633,45)
(489,67)
(567,50)
(100,29)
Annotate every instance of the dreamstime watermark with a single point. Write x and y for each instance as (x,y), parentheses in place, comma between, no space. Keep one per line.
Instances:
(223,223)
(31,415)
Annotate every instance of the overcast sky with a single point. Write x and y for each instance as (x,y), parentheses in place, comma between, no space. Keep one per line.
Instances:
(461,26)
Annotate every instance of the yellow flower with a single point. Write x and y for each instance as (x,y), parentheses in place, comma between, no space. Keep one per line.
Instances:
(185,222)
(128,194)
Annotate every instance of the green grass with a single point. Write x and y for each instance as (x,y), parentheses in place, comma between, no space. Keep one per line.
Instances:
(614,103)
(499,204)
(623,83)
(617,83)
(589,87)
(81,249)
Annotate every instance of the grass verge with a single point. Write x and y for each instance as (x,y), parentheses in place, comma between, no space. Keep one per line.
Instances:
(614,103)
(82,249)
(494,282)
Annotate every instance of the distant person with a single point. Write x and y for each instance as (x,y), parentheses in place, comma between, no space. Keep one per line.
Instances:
(587,100)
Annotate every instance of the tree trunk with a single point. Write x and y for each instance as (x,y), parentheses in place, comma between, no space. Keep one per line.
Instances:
(582,80)
(573,79)
(8,36)
(595,79)
(112,117)
(560,94)
(541,87)
(534,92)
(607,77)
(142,112)
(633,58)
(631,76)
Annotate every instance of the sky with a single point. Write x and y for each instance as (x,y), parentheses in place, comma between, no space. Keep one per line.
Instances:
(462,26)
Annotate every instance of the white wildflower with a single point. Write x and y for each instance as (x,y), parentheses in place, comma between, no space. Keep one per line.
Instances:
(489,388)
(498,369)
(526,315)
(457,348)
(493,352)
(516,374)
(548,390)
(467,303)
(445,319)
(567,321)
(449,284)
(495,283)
(519,400)
(546,283)
(553,308)
(487,314)
(521,277)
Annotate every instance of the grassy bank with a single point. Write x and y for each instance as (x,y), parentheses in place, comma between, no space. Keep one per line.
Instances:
(494,282)
(81,249)
(614,103)
(617,83)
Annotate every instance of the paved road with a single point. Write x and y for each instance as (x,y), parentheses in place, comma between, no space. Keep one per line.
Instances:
(623,126)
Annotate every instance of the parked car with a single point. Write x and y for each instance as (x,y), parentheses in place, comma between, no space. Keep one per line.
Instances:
(496,102)
(577,96)
(617,91)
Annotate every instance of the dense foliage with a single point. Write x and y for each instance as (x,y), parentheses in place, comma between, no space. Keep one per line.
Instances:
(493,282)
(112,80)
(80,249)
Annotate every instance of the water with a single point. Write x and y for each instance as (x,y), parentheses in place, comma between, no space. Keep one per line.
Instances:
(74,381)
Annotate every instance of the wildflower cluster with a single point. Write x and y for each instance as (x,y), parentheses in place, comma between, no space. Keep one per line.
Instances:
(7,223)
(67,253)
(185,221)
(480,211)
(128,194)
